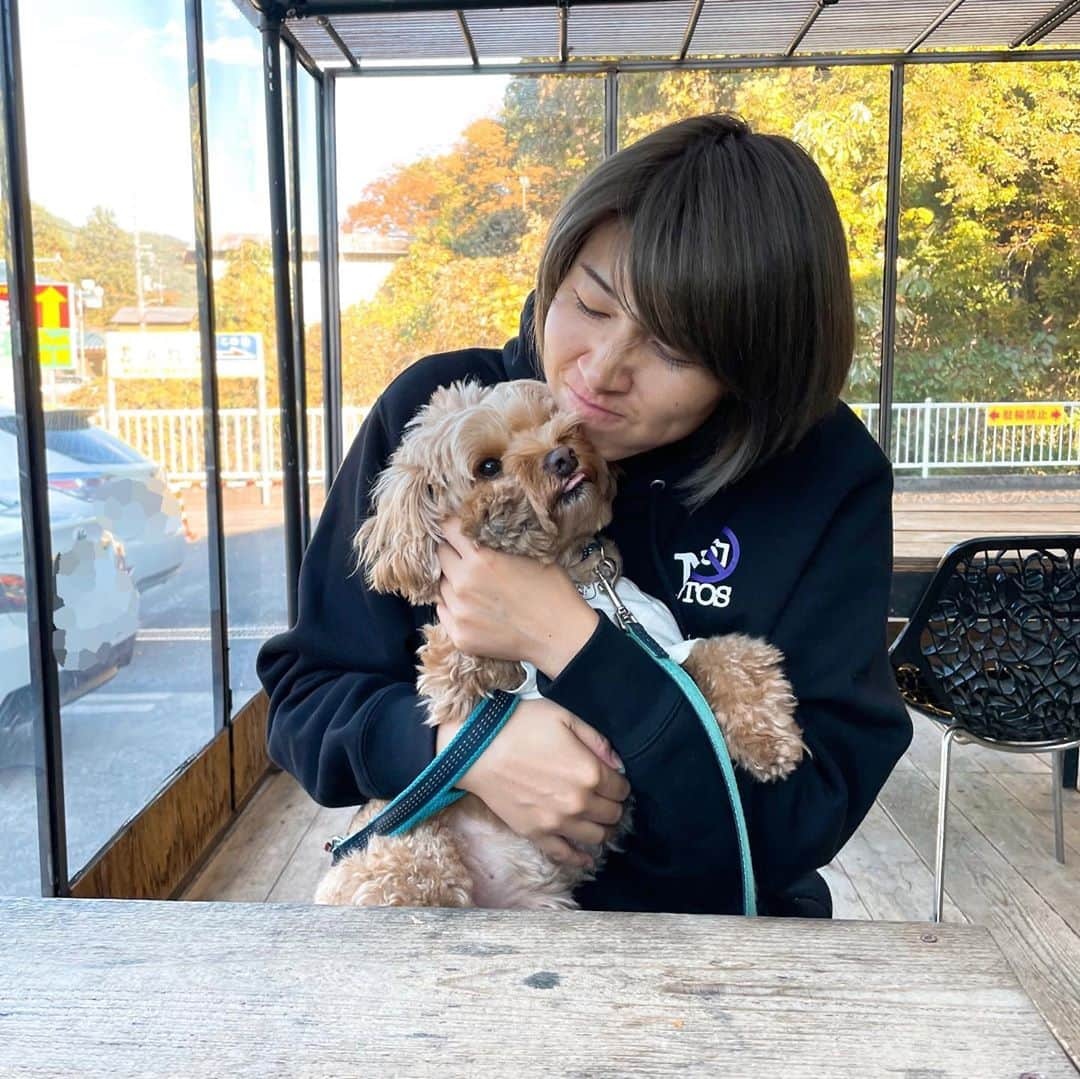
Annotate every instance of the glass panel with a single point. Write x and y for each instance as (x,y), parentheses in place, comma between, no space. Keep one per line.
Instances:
(840,116)
(244,314)
(19,866)
(120,362)
(987,339)
(446,201)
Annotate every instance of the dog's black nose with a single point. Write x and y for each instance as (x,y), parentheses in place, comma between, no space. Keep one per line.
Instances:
(561,462)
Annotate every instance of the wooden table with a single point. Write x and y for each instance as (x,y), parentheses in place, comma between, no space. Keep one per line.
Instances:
(224,989)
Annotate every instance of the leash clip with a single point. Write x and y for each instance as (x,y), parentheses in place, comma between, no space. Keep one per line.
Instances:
(605,572)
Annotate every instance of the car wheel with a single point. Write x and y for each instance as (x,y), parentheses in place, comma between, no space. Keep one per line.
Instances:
(16,729)
(126,652)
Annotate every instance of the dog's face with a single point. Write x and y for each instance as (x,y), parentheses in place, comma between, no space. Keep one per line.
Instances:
(521,476)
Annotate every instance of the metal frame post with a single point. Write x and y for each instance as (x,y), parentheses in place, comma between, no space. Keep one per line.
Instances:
(892,246)
(611,113)
(331,284)
(270,28)
(33,474)
(204,284)
(299,349)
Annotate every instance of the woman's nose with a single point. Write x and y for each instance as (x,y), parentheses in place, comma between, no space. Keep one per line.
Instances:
(606,368)
(561,462)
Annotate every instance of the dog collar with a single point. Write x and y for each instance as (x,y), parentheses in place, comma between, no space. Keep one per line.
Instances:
(594,546)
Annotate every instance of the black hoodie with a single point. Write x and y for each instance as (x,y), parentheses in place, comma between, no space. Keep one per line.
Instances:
(798,552)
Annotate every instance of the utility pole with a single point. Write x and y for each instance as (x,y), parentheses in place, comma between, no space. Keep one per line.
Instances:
(139,298)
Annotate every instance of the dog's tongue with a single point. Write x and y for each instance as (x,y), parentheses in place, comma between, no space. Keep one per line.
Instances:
(573,481)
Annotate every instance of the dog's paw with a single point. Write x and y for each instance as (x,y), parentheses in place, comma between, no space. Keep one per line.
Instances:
(767,754)
(742,678)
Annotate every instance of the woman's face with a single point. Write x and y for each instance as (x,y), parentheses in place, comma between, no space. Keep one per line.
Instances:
(632,392)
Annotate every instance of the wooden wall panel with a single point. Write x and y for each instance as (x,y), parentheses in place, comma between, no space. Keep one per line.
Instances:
(161,850)
(155,854)
(250,762)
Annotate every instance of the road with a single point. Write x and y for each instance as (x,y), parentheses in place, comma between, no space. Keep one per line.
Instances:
(124,739)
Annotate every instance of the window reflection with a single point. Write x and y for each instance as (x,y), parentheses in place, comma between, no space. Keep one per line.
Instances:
(122,395)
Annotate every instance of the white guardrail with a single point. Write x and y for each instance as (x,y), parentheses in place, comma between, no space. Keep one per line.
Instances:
(927,437)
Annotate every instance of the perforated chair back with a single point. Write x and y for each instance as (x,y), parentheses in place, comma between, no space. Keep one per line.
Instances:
(994,643)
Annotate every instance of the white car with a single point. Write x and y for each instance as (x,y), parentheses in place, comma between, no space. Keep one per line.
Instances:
(97,605)
(127,491)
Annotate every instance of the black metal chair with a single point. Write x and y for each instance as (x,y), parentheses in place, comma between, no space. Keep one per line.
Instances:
(992,653)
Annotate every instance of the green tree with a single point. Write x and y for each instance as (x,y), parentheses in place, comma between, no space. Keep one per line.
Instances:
(105,252)
(990,240)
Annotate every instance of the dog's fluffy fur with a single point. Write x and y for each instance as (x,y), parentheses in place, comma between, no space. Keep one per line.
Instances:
(466,856)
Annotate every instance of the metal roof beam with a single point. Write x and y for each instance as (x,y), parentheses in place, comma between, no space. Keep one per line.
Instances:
(306,60)
(1047,24)
(467,35)
(733,63)
(691,26)
(335,37)
(308,8)
(818,8)
(934,25)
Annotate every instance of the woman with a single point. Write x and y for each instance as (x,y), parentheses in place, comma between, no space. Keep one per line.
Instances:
(694,306)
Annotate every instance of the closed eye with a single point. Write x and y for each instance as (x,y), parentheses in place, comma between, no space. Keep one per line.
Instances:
(588,312)
(668,358)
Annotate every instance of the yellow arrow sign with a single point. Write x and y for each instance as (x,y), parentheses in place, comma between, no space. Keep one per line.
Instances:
(52,303)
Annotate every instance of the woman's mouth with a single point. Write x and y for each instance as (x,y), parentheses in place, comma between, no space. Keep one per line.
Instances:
(588,408)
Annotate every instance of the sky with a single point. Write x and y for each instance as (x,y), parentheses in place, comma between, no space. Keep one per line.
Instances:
(107,122)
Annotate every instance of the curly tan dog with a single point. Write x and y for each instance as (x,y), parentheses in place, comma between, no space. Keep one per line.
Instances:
(523,479)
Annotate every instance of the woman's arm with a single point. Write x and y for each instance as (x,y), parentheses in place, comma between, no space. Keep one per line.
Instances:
(345,719)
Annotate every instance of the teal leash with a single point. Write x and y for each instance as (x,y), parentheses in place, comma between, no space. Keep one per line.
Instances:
(605,575)
(708,721)
(433,789)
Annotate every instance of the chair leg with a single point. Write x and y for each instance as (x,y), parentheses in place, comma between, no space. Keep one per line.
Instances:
(1059,816)
(942,817)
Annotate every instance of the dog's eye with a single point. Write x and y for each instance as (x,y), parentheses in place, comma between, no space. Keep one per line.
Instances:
(489,467)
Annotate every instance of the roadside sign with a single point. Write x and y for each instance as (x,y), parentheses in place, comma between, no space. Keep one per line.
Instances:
(1020,415)
(176,354)
(239,355)
(157,354)
(53,316)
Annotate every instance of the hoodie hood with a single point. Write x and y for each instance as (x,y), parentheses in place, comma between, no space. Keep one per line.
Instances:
(520,358)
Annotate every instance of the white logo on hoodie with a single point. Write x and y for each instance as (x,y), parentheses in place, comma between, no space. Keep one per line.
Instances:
(704,571)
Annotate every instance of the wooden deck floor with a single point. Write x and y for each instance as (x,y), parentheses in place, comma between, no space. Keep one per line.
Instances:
(1000,868)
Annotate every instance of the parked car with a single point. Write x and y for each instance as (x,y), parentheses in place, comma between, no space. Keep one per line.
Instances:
(97,604)
(128,492)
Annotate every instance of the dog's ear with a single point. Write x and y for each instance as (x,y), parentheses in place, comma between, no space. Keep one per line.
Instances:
(396,545)
(449,401)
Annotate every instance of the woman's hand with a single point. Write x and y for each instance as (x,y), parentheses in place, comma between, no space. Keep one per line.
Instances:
(551,777)
(504,606)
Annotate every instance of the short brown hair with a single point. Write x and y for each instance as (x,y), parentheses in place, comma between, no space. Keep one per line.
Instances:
(735,256)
